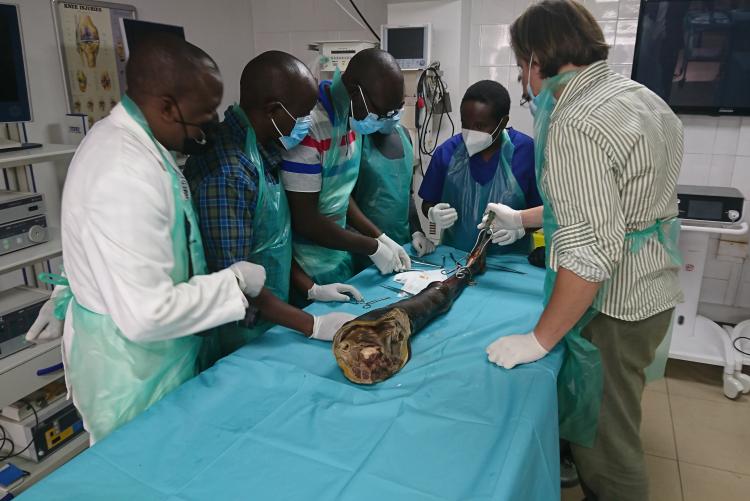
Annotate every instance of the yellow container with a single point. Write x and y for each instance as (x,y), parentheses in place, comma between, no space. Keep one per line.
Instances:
(538,237)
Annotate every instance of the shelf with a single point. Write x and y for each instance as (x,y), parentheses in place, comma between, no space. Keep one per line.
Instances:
(40,470)
(21,357)
(47,153)
(24,257)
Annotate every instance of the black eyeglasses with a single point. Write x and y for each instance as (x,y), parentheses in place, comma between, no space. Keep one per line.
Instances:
(524,97)
(381,116)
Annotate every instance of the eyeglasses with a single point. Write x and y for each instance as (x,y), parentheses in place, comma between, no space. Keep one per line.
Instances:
(524,97)
(381,116)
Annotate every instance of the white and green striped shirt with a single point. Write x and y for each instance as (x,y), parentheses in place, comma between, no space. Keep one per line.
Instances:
(613,156)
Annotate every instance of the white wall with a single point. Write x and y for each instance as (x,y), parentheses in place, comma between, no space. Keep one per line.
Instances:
(290,25)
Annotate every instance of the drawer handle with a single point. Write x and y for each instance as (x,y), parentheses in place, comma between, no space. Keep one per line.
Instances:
(50,369)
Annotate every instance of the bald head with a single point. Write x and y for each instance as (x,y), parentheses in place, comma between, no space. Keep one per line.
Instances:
(165,64)
(379,76)
(274,76)
(275,89)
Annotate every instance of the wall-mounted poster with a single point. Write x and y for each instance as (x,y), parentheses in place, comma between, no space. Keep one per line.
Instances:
(92,52)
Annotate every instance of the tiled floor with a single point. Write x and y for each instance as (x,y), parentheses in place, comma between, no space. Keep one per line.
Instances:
(697,441)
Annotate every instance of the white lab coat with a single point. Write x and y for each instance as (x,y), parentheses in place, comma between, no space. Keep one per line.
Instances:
(117,215)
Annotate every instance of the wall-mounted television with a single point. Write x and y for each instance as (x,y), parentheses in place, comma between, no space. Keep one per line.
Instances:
(695,54)
(135,31)
(15,105)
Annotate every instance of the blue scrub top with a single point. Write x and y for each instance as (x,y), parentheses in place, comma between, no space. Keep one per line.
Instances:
(482,172)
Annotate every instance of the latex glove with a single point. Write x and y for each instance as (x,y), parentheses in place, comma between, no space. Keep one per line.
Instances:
(422,245)
(326,326)
(333,292)
(250,277)
(46,327)
(509,351)
(443,215)
(507,226)
(403,258)
(385,259)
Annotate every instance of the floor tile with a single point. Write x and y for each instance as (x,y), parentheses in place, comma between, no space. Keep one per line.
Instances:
(713,434)
(700,483)
(659,385)
(572,494)
(704,381)
(656,427)
(664,479)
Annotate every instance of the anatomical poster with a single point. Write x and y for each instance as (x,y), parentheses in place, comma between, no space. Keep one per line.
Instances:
(93,54)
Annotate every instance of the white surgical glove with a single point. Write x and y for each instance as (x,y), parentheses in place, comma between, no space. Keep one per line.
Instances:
(250,277)
(507,226)
(509,351)
(422,245)
(333,292)
(385,259)
(46,327)
(326,326)
(401,255)
(443,215)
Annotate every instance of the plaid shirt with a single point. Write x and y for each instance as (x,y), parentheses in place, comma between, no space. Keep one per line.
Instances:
(224,184)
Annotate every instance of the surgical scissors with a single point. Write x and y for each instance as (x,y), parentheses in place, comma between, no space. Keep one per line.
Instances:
(396,289)
(369,304)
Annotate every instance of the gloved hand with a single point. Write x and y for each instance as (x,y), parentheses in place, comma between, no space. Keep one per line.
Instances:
(46,327)
(385,259)
(509,351)
(250,277)
(401,255)
(443,215)
(422,245)
(325,326)
(333,292)
(507,226)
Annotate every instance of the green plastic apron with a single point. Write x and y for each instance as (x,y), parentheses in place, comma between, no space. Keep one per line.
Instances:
(579,384)
(384,187)
(383,191)
(272,244)
(323,265)
(114,379)
(470,198)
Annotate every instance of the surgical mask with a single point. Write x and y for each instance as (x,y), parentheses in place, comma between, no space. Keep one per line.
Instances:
(368,125)
(476,141)
(190,145)
(390,123)
(533,105)
(298,133)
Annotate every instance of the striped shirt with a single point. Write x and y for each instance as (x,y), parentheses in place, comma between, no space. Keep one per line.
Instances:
(302,167)
(613,156)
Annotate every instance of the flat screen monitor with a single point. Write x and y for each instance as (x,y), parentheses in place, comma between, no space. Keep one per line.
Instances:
(696,54)
(134,30)
(15,105)
(409,45)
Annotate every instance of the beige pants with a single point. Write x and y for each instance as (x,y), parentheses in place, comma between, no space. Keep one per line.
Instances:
(614,468)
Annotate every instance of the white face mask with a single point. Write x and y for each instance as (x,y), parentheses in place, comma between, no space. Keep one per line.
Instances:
(477,141)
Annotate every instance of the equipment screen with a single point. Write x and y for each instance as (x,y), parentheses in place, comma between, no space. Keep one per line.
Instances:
(705,209)
(695,54)
(14,98)
(406,43)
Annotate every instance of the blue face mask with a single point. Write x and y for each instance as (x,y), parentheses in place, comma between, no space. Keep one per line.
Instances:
(298,133)
(368,125)
(391,122)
